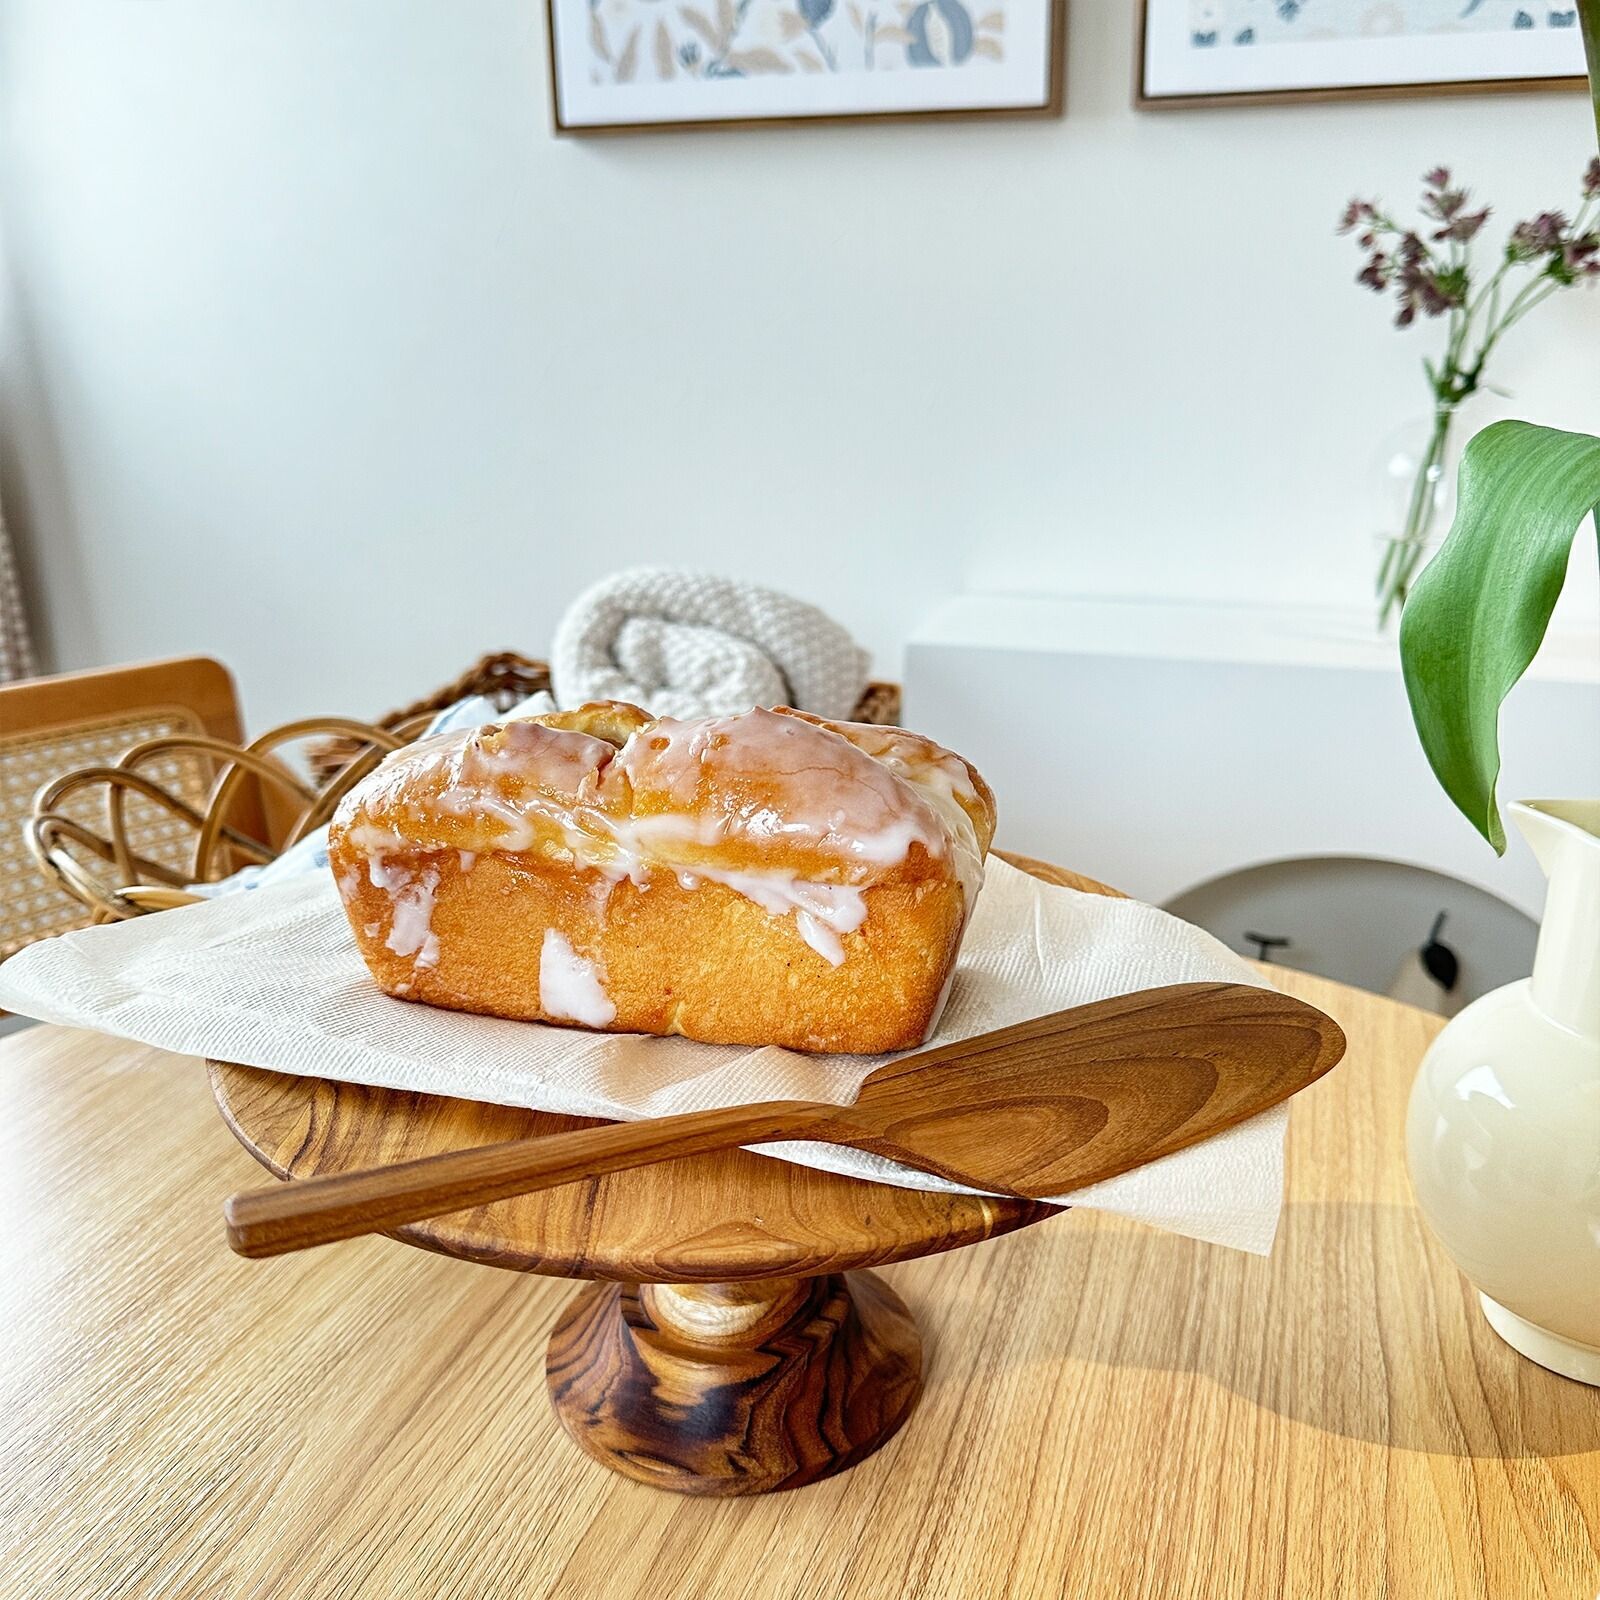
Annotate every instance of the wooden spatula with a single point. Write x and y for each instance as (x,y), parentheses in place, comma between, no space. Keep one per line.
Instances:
(1034,1110)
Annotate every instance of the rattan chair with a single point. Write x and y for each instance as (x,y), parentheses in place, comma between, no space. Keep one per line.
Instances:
(86,721)
(189,803)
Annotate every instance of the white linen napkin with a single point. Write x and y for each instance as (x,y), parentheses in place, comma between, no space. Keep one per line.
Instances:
(273,979)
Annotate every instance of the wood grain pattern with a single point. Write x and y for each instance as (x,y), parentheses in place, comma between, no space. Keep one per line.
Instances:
(71,699)
(730,1215)
(735,1389)
(1107,1411)
(345,1205)
(1041,1108)
(1059,1102)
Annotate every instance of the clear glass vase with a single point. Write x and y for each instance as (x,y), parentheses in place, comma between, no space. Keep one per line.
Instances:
(1416,463)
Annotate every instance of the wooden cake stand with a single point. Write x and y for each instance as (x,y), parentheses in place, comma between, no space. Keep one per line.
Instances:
(734,1341)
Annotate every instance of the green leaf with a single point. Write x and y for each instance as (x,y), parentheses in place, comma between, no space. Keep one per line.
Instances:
(1479,610)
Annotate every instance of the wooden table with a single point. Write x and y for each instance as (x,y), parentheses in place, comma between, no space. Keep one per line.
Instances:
(1109,1410)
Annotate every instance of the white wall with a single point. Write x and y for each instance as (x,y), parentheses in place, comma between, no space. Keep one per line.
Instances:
(326,357)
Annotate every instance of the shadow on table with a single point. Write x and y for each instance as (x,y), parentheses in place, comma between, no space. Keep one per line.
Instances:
(1357,1323)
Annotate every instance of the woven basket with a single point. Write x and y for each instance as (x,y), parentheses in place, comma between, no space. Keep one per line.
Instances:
(257,804)
(504,677)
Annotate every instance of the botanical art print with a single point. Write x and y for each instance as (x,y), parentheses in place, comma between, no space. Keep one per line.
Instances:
(1205,48)
(622,62)
(1238,23)
(749,39)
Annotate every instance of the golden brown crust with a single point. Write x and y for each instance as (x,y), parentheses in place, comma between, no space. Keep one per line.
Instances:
(707,963)
(765,879)
(615,721)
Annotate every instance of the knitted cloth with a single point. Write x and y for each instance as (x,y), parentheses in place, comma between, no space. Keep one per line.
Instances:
(684,644)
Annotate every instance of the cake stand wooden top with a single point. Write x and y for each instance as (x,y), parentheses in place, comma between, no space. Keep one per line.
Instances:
(707,1219)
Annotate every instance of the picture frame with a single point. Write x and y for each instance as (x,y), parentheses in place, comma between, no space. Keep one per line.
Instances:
(636,66)
(1256,54)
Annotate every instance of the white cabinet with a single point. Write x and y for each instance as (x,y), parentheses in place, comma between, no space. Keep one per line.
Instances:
(1160,746)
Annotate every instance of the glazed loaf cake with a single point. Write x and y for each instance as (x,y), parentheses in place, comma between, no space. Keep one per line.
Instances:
(767,878)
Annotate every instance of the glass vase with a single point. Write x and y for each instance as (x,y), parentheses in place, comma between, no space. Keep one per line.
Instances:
(1424,512)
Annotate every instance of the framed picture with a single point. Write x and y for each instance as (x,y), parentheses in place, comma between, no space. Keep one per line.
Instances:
(1204,52)
(627,65)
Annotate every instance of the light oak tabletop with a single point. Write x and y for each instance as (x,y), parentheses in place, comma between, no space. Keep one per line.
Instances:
(1110,1411)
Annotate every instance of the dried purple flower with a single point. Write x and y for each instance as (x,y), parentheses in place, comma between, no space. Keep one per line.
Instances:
(1444,204)
(1412,252)
(1357,211)
(1423,286)
(1430,282)
(1579,258)
(1375,275)
(1538,236)
(1441,291)
(1463,227)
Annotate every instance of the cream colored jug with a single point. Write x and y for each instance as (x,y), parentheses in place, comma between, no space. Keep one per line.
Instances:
(1503,1133)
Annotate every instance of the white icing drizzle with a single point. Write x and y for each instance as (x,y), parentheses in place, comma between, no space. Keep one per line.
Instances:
(371,840)
(569,985)
(820,937)
(941,778)
(521,823)
(410,933)
(390,879)
(965,856)
(466,858)
(822,911)
(777,780)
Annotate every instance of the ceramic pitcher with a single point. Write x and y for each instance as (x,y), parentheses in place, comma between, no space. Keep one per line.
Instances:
(1503,1132)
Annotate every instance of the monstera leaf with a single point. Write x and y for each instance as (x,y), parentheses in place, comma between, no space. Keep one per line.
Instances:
(1478,612)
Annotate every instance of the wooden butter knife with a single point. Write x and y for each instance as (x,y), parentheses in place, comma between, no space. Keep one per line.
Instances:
(1035,1110)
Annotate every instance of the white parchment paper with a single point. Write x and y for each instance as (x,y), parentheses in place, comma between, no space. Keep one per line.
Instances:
(272,978)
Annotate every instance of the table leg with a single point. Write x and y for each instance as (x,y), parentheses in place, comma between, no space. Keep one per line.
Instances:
(734,1388)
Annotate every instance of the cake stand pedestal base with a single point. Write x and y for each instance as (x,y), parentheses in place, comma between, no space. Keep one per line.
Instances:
(734,1388)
